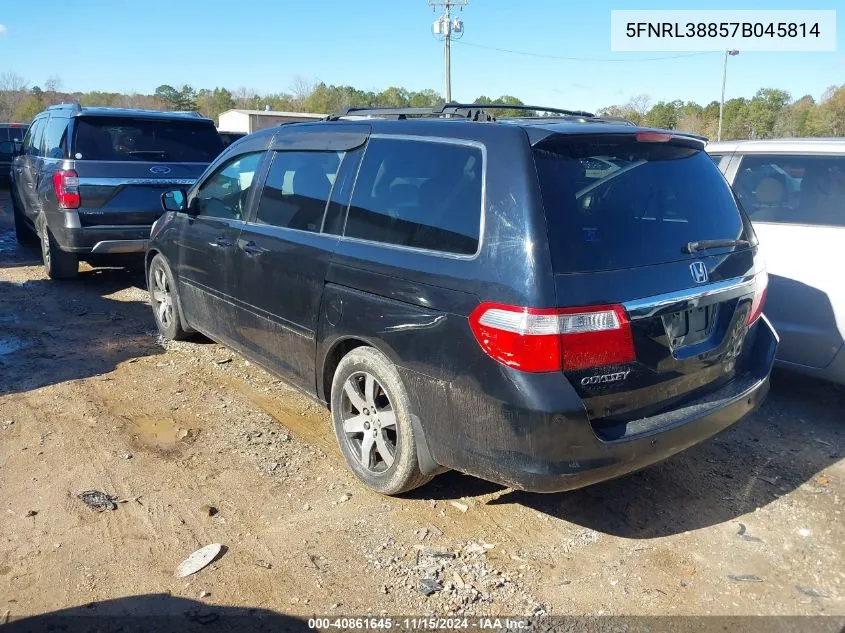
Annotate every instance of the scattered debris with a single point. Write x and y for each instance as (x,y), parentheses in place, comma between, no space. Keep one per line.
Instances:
(804,532)
(769,480)
(344,498)
(813,593)
(822,480)
(204,594)
(209,510)
(434,530)
(747,537)
(199,559)
(306,507)
(98,500)
(435,552)
(125,456)
(430,586)
(460,506)
(223,361)
(264,564)
(745,578)
(422,533)
(31,513)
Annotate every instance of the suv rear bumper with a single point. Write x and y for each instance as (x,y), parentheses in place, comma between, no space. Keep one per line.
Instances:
(100,240)
(550,446)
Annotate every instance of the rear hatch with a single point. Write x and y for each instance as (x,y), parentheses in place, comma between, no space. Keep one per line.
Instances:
(125,164)
(655,271)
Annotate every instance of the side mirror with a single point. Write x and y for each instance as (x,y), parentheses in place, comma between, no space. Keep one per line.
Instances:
(174,200)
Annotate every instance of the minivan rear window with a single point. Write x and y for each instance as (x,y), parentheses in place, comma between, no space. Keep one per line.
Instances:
(156,140)
(620,203)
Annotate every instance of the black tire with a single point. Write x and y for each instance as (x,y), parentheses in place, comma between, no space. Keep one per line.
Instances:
(391,450)
(165,301)
(24,233)
(58,264)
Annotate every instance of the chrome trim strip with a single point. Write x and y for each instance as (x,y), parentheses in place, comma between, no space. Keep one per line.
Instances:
(689,298)
(120,246)
(116,182)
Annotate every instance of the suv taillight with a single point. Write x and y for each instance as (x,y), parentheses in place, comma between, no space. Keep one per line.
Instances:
(761,287)
(554,339)
(66,185)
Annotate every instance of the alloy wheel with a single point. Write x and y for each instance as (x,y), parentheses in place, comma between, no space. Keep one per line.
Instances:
(369,422)
(162,297)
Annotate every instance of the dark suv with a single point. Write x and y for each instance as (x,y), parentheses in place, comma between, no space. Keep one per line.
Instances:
(541,302)
(11,138)
(88,181)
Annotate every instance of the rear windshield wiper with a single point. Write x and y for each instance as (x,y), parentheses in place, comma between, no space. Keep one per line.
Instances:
(694,247)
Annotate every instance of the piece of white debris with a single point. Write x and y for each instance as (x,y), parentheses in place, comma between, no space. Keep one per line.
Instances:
(460,506)
(199,559)
(804,532)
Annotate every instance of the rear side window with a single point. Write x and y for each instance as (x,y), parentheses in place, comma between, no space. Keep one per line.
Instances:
(418,194)
(157,140)
(620,204)
(793,189)
(297,188)
(32,145)
(55,138)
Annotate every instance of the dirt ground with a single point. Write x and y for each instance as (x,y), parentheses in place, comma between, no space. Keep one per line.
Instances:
(90,398)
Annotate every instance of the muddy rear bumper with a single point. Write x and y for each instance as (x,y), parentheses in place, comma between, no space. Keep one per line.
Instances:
(550,445)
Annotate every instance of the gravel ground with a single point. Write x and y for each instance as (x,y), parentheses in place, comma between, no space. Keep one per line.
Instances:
(200,446)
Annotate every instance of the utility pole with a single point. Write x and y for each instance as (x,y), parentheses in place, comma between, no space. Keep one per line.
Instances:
(728,53)
(446,28)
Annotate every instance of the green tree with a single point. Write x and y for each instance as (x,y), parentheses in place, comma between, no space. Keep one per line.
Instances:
(763,111)
(211,103)
(28,108)
(663,115)
(173,99)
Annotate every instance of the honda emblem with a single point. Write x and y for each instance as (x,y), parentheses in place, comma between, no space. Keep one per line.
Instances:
(699,272)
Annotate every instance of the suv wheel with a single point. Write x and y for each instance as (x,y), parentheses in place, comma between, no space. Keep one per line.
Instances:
(370,411)
(164,301)
(58,264)
(23,232)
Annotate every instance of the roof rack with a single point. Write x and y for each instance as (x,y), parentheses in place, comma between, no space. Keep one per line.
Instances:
(472,111)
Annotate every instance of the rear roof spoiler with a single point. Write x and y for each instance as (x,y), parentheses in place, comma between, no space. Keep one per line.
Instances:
(540,137)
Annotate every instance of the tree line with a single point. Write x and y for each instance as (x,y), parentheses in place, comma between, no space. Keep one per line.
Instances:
(770,113)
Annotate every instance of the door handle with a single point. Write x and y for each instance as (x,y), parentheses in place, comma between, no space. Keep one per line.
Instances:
(251,248)
(225,242)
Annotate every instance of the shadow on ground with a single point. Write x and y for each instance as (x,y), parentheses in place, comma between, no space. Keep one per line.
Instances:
(797,433)
(156,612)
(52,332)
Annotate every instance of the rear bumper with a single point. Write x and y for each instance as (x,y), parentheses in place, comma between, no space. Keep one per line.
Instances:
(550,446)
(100,240)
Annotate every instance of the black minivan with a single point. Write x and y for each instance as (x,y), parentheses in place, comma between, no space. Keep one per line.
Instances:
(541,302)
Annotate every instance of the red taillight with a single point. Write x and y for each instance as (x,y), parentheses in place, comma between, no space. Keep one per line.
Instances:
(553,339)
(761,287)
(654,137)
(66,185)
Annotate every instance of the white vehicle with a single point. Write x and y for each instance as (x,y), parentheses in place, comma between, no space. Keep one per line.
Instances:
(793,190)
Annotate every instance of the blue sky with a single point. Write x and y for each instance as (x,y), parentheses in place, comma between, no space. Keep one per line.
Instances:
(372,44)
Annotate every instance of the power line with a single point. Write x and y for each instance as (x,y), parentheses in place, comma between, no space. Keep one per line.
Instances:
(583,59)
